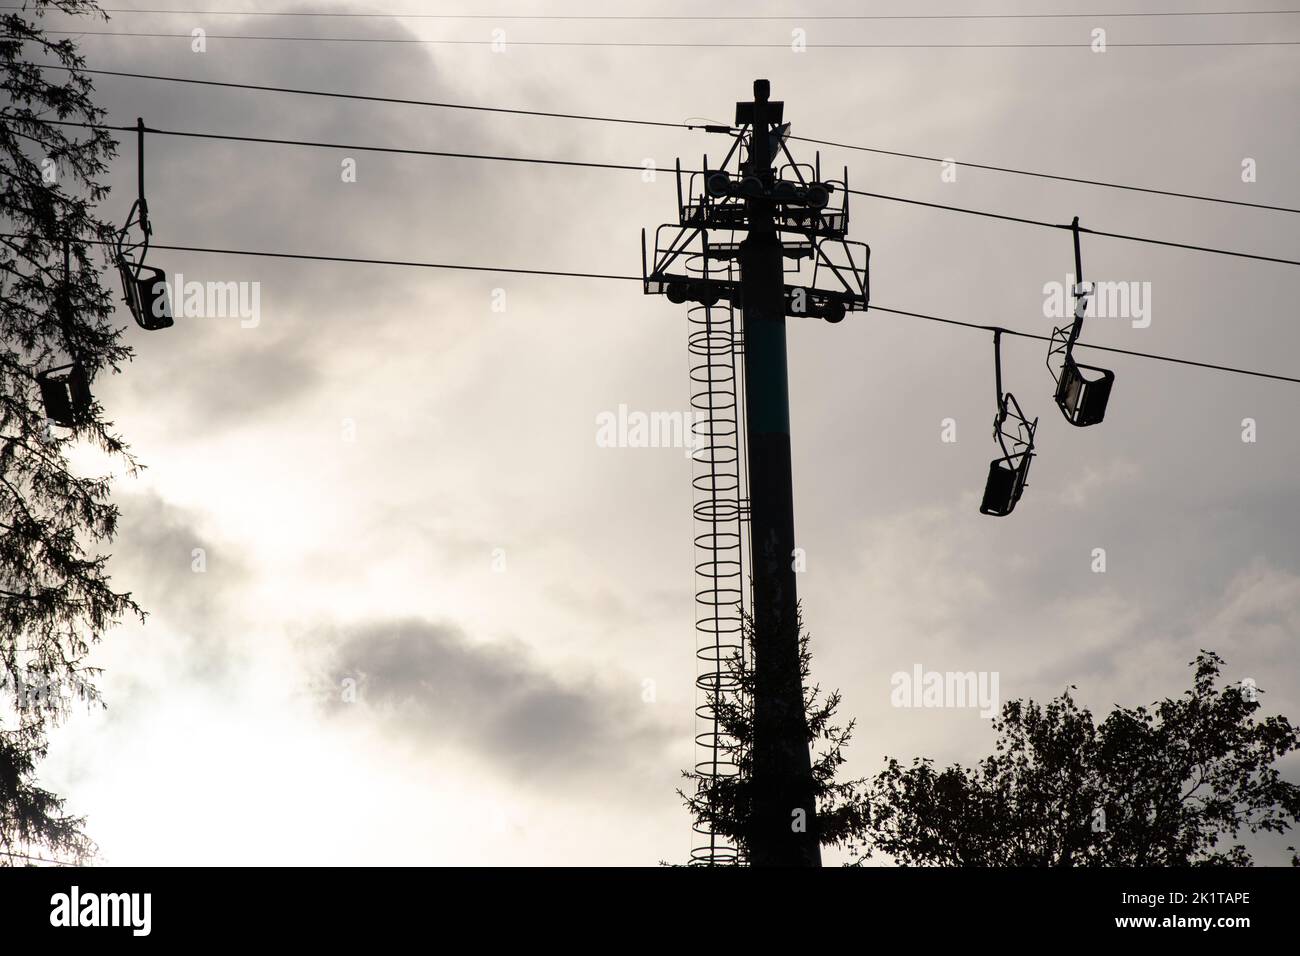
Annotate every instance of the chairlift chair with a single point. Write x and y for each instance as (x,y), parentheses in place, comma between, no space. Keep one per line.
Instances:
(1083,398)
(144,287)
(1009,474)
(1082,391)
(65,389)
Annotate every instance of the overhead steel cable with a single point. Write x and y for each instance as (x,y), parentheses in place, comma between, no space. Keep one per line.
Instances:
(1087,345)
(513,270)
(639,122)
(1038,175)
(688,17)
(397,262)
(362,261)
(403,101)
(357,147)
(638,168)
(1094,232)
(667,44)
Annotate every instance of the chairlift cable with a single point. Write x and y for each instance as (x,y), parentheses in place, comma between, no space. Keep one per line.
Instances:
(633,278)
(368,99)
(690,18)
(1037,175)
(658,44)
(1087,345)
(359,147)
(362,261)
(1056,225)
(400,262)
(637,168)
(688,126)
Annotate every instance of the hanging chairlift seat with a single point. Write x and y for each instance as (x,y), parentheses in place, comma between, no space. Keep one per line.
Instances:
(1082,398)
(144,287)
(1006,482)
(65,392)
(1009,474)
(1001,490)
(65,389)
(145,290)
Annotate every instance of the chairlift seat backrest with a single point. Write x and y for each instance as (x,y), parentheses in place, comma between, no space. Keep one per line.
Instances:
(1000,491)
(152,290)
(66,396)
(58,406)
(1009,474)
(1006,482)
(145,289)
(1083,399)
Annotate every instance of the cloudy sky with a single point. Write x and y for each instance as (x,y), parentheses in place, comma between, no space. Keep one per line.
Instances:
(432,603)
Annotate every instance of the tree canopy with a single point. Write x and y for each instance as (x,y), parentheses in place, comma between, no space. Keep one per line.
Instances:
(1178,783)
(56,599)
(1174,784)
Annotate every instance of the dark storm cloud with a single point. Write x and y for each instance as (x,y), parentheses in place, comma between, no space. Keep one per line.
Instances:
(435,686)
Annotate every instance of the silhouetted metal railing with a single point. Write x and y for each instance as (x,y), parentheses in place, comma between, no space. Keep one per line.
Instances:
(720,511)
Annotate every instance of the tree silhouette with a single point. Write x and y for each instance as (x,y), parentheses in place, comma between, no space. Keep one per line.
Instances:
(55,595)
(32,820)
(1173,785)
(725,803)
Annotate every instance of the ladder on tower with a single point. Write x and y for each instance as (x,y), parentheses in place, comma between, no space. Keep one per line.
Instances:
(720,510)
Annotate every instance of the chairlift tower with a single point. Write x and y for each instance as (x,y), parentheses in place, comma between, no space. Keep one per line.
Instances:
(777,220)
